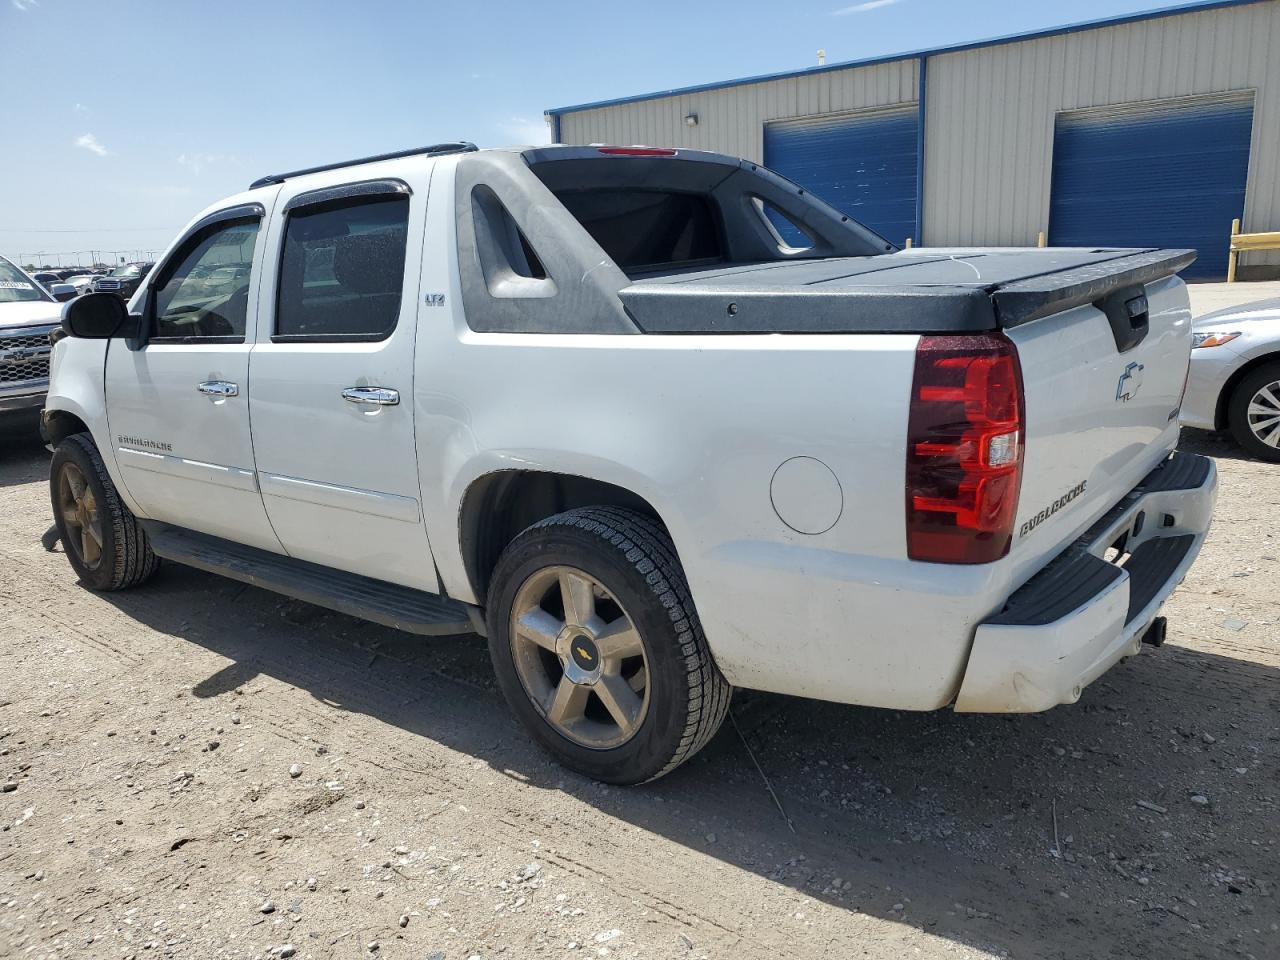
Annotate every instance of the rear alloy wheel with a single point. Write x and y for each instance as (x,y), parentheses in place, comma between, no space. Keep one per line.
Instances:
(104,543)
(579,657)
(598,648)
(1254,413)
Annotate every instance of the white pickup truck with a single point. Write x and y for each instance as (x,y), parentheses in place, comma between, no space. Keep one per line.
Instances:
(28,315)
(588,402)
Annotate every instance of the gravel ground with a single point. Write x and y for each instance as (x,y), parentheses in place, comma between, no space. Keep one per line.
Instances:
(201,769)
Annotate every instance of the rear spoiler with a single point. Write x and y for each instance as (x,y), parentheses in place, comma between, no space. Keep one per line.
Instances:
(1036,297)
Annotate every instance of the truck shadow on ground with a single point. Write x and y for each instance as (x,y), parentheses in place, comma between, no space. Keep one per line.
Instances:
(1019,834)
(1209,444)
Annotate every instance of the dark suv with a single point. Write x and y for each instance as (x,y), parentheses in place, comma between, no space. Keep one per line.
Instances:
(123,280)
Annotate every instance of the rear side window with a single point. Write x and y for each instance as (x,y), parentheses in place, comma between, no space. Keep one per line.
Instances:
(204,292)
(644,230)
(342,270)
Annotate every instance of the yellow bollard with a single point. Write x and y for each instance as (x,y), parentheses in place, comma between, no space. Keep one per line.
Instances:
(908,246)
(1231,256)
(1042,240)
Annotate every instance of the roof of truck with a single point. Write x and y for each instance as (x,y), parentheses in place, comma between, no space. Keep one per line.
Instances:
(532,154)
(434,150)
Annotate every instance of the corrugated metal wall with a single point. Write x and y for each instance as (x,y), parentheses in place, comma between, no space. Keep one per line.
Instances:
(988,155)
(863,164)
(731,120)
(1169,175)
(991,112)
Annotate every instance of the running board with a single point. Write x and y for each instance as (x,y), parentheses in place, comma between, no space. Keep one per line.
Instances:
(403,608)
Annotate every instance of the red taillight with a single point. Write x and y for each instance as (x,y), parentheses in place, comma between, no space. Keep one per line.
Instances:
(965,435)
(637,151)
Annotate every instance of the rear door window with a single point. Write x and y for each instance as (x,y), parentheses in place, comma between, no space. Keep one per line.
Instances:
(342,270)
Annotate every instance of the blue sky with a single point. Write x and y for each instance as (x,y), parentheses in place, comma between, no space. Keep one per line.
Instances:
(124,119)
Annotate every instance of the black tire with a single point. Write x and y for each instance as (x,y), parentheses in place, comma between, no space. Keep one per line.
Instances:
(1238,412)
(633,558)
(126,559)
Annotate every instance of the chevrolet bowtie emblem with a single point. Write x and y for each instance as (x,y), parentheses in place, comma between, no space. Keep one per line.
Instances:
(24,353)
(1130,383)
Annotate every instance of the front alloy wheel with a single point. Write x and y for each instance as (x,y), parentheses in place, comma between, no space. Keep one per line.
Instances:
(105,544)
(1254,412)
(79,510)
(1264,414)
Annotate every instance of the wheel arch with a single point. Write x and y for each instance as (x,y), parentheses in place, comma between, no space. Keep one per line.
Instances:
(497,506)
(56,425)
(1233,381)
(82,409)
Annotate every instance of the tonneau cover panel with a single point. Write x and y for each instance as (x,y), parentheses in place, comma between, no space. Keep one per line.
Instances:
(920,291)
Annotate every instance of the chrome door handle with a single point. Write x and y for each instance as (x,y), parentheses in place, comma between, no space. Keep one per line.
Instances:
(375,396)
(218,388)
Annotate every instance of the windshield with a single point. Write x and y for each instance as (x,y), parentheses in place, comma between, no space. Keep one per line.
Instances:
(128,270)
(15,287)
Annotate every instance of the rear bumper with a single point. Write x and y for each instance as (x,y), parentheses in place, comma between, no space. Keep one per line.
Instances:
(1076,618)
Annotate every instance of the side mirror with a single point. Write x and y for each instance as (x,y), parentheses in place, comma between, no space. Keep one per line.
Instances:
(62,292)
(99,316)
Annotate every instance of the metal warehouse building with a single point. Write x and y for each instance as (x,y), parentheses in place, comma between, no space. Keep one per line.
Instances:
(1156,129)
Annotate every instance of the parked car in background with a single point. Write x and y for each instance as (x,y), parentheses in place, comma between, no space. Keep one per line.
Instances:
(226,279)
(54,285)
(82,282)
(1234,382)
(28,315)
(123,280)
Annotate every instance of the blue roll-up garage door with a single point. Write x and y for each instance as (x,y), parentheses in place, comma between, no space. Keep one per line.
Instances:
(864,165)
(1153,175)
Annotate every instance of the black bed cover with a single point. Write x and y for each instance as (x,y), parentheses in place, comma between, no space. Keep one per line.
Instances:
(927,290)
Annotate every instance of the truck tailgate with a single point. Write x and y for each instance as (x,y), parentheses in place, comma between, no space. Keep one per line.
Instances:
(1098,418)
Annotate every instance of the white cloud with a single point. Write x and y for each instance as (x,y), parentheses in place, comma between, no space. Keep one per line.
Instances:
(80,108)
(525,130)
(196,162)
(864,7)
(24,5)
(89,142)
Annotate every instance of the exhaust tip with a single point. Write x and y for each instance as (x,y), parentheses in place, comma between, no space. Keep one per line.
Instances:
(1156,632)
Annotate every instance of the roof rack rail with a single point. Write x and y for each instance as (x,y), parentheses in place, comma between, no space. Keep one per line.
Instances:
(436,149)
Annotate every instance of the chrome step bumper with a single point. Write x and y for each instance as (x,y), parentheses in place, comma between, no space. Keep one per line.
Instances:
(1088,609)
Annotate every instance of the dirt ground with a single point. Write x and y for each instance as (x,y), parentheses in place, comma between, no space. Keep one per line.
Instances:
(150,738)
(1207,297)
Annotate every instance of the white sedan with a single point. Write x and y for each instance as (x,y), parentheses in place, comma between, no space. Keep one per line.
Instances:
(1234,382)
